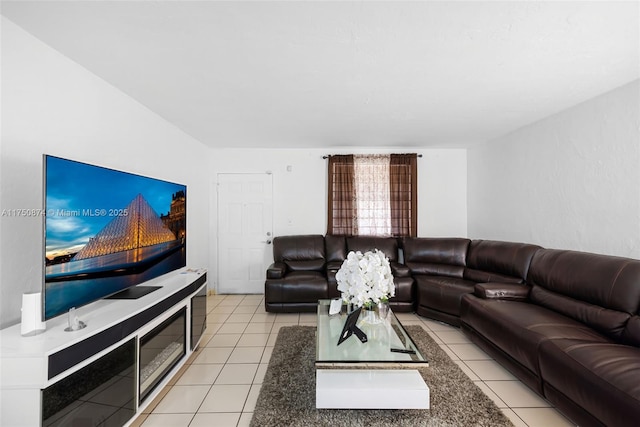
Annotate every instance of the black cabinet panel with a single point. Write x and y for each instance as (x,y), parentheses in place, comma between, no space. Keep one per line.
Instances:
(198,316)
(100,394)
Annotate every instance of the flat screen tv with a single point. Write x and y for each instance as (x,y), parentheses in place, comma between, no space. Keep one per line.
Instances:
(107,231)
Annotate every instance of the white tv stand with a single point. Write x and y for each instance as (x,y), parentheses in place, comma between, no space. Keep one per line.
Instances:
(128,336)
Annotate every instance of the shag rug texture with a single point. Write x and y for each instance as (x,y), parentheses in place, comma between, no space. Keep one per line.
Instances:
(288,393)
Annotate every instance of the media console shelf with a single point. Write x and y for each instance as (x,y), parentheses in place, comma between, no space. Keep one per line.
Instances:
(108,372)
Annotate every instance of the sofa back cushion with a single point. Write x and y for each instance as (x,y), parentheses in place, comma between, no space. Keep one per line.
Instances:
(335,248)
(388,245)
(490,260)
(599,290)
(608,322)
(436,256)
(482,276)
(300,253)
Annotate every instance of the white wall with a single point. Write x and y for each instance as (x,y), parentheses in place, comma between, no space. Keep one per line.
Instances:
(300,196)
(570,181)
(52,105)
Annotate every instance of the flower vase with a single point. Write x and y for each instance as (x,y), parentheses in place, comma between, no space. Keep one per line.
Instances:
(383,310)
(371,315)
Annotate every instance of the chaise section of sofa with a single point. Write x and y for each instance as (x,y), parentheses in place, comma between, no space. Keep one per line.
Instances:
(573,335)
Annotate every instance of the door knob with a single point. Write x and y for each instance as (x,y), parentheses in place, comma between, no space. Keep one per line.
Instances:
(268,242)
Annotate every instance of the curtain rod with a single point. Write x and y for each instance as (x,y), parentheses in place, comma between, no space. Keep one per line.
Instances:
(329,155)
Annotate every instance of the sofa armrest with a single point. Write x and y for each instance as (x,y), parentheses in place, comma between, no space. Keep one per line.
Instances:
(503,291)
(276,270)
(399,270)
(333,266)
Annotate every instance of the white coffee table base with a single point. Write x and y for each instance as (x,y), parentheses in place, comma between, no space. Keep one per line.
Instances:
(371,389)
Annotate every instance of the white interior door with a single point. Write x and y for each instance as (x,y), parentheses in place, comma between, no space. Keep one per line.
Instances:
(244,232)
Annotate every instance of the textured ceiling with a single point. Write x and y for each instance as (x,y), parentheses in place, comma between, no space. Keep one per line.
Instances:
(330,74)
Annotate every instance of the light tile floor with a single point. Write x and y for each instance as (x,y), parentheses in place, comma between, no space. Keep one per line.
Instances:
(220,383)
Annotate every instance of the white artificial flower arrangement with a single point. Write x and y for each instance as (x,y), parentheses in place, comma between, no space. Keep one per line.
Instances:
(365,279)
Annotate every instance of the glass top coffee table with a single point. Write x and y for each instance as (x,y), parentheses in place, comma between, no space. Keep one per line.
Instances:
(378,376)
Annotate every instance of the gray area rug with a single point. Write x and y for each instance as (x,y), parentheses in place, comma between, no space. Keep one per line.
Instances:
(287,396)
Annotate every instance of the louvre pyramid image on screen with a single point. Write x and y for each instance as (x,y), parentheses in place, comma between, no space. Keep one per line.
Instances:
(139,228)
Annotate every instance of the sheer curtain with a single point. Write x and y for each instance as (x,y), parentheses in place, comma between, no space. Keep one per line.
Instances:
(373,208)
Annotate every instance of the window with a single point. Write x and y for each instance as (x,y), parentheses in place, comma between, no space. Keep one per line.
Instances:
(372,202)
(372,195)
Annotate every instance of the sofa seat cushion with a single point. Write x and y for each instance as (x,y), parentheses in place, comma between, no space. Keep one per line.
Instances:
(296,289)
(601,377)
(442,293)
(519,328)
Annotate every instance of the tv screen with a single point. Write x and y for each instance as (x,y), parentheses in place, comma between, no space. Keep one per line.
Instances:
(105,231)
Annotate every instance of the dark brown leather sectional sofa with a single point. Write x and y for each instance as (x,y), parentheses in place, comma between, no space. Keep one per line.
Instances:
(566,323)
